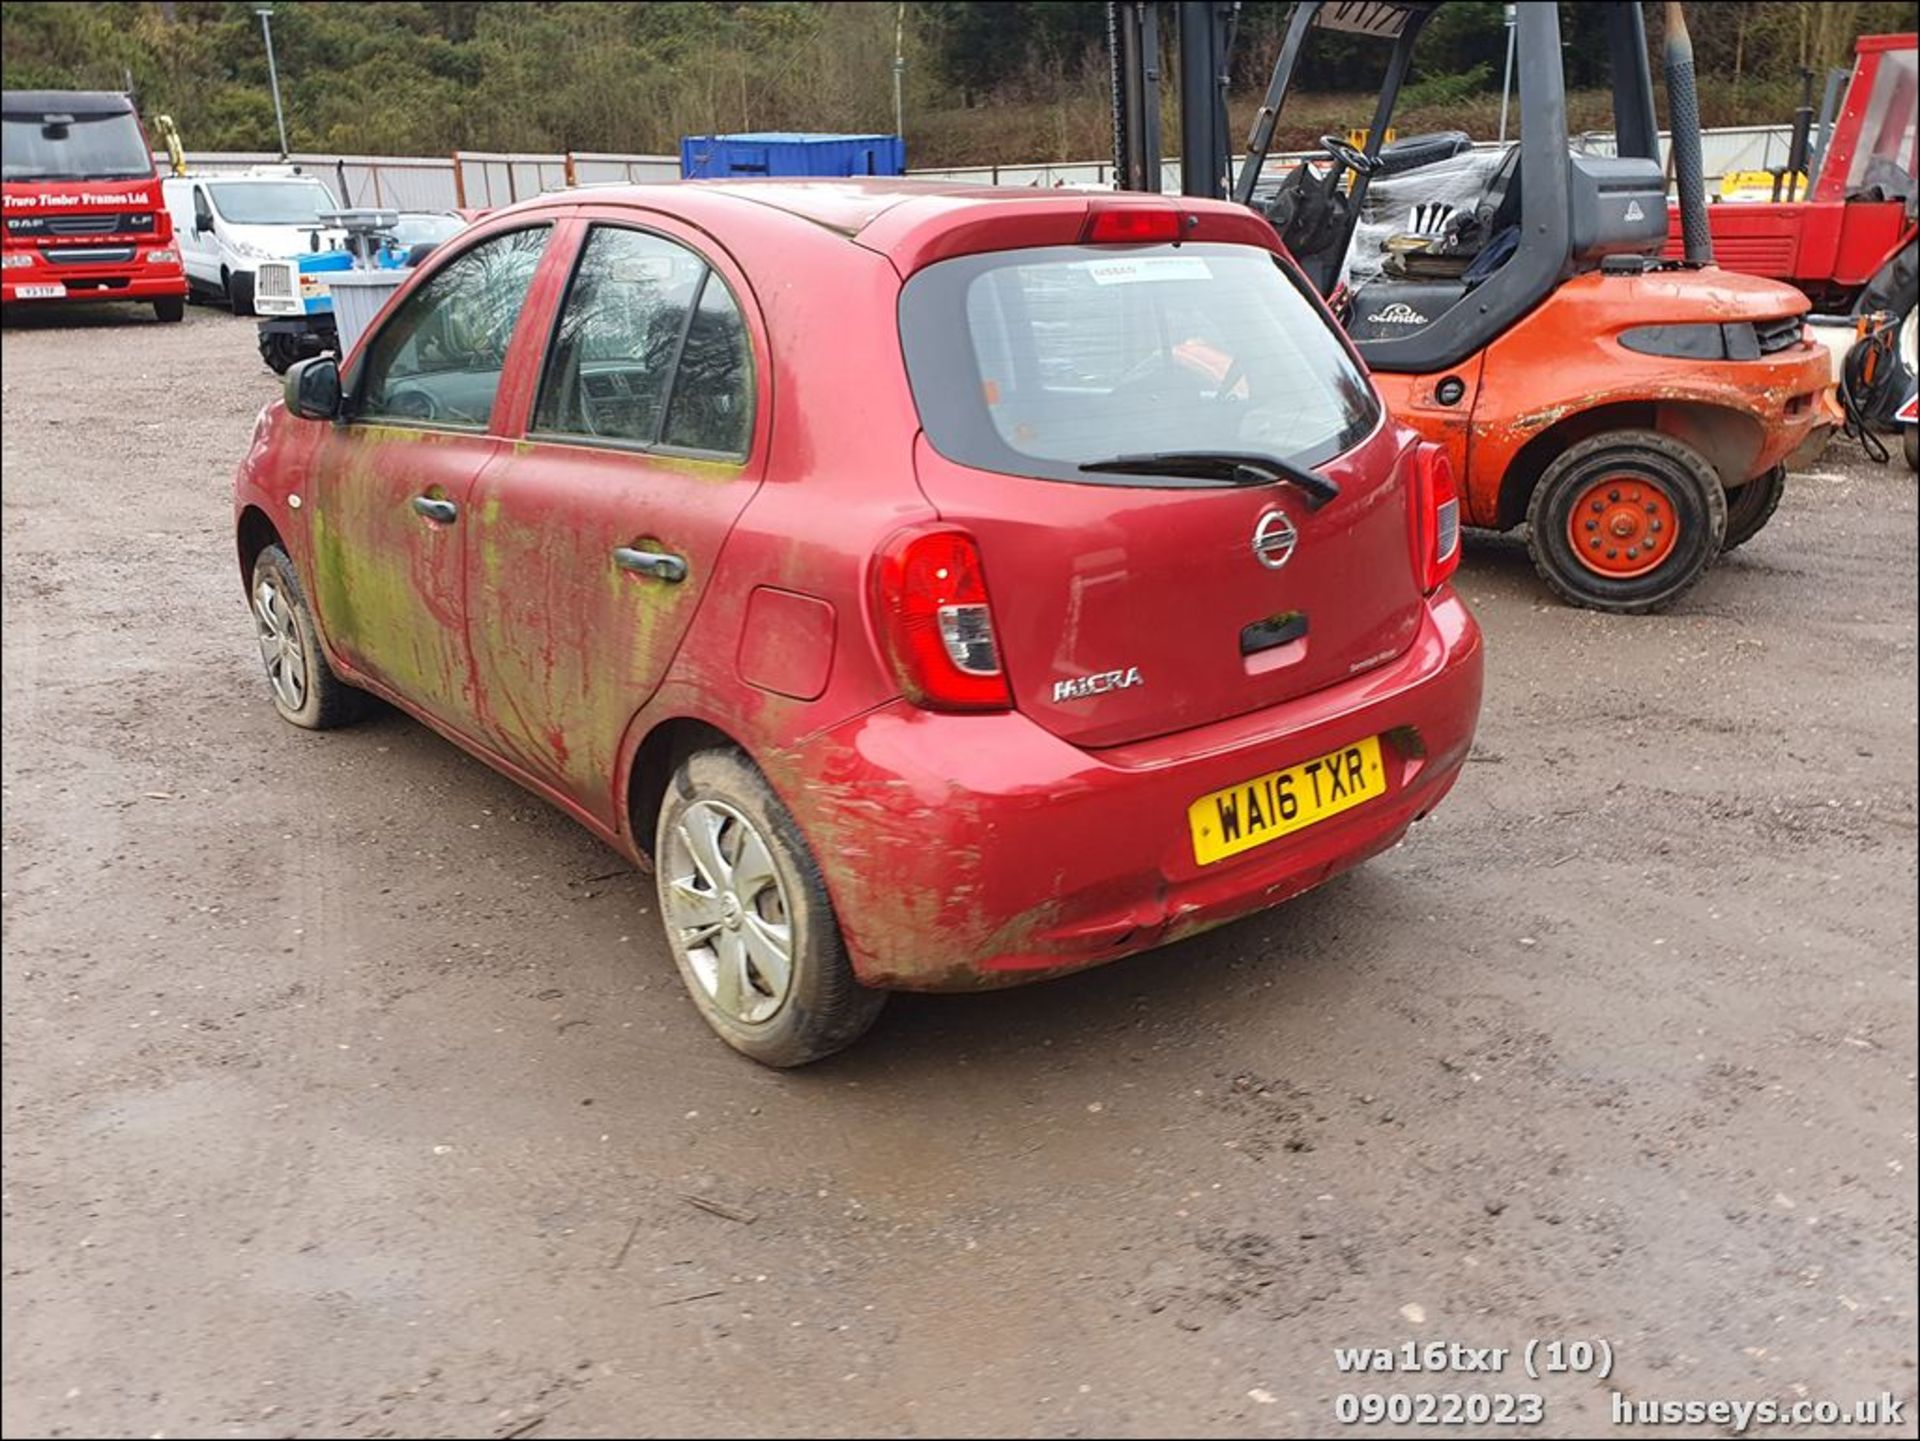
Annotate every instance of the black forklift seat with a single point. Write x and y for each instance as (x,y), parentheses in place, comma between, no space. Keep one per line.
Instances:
(1415,289)
(1413,151)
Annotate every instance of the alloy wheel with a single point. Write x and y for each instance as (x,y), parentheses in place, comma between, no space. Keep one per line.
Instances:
(281,650)
(726,906)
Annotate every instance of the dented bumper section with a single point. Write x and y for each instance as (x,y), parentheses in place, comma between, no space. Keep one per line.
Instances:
(972,851)
(1793,407)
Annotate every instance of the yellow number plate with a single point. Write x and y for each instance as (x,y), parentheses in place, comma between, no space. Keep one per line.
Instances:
(1254,812)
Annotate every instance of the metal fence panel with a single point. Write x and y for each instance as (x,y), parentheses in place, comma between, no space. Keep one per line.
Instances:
(597,169)
(411,183)
(486,179)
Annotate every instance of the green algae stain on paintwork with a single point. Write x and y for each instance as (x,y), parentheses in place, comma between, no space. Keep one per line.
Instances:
(562,659)
(695,467)
(386,586)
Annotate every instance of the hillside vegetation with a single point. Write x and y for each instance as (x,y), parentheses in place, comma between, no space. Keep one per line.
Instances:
(984,82)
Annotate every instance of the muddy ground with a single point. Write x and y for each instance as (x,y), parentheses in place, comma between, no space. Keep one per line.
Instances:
(349,1090)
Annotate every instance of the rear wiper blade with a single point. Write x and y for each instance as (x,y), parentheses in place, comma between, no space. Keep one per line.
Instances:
(1236,467)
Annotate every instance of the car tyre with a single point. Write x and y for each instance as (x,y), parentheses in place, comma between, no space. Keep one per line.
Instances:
(741,899)
(304,688)
(1650,514)
(239,289)
(170,308)
(1751,506)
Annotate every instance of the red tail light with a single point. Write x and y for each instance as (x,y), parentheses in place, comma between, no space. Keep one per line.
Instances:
(1436,516)
(1132,224)
(935,622)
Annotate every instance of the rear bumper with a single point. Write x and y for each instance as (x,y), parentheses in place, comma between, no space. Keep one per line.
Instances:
(1792,405)
(965,852)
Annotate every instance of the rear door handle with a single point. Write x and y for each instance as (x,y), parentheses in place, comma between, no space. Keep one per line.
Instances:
(670,568)
(443,511)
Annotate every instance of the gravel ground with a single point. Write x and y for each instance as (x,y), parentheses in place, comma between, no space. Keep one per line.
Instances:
(350,1090)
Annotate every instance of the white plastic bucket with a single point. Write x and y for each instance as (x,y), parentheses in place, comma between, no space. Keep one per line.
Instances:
(357,298)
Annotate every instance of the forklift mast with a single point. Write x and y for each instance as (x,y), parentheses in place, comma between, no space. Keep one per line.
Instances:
(1205,30)
(1635,128)
(1557,213)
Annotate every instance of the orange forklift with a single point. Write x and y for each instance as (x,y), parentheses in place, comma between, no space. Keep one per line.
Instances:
(1639,415)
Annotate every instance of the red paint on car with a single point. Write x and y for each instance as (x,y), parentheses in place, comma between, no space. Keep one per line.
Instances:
(850,475)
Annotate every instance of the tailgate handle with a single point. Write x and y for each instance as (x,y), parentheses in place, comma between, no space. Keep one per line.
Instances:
(670,568)
(1274,631)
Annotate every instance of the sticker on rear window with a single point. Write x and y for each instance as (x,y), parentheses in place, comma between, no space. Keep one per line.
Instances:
(1134,269)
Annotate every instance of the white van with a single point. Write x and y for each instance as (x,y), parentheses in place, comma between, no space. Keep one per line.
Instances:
(226,224)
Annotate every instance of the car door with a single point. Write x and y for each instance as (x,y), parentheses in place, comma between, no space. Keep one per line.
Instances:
(593,542)
(389,488)
(202,254)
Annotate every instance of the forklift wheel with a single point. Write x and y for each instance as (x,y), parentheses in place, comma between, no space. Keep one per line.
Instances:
(279,352)
(1751,506)
(1626,521)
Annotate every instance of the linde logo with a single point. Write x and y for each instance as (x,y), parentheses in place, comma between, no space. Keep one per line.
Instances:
(1080,687)
(1398,313)
(1634,212)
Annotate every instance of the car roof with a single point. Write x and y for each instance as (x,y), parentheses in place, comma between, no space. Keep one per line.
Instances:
(851,205)
(911,221)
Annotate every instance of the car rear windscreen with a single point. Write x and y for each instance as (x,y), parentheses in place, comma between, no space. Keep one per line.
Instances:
(1037,362)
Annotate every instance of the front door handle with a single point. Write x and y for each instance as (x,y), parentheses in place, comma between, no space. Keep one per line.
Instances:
(670,568)
(443,511)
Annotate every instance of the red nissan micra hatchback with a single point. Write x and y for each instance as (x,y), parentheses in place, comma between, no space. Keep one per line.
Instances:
(937,587)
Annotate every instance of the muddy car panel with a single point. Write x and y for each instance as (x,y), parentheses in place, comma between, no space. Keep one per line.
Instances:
(960,849)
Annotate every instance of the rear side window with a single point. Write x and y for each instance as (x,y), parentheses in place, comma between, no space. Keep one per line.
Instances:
(649,351)
(1038,362)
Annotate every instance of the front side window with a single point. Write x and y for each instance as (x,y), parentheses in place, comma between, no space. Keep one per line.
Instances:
(650,350)
(438,358)
(1047,362)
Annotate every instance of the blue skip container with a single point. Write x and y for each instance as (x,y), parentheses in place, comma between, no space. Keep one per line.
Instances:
(791,153)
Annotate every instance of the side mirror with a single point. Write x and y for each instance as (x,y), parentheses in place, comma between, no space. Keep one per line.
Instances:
(203,224)
(313,388)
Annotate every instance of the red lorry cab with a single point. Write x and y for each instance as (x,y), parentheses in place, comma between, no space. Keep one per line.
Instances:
(84,217)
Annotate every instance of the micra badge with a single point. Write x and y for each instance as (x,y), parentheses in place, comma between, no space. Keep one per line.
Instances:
(1082,686)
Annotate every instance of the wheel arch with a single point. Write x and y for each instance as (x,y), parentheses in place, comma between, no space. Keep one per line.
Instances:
(1728,439)
(666,744)
(254,532)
